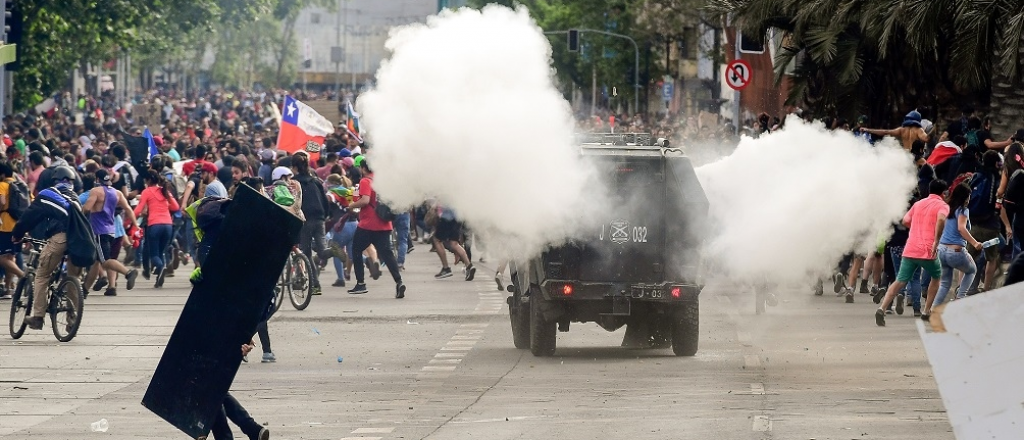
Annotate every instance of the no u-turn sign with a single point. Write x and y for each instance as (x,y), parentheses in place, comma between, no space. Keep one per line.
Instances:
(737,74)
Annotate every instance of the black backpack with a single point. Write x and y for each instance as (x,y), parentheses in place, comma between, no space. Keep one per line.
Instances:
(17,199)
(1014,197)
(83,244)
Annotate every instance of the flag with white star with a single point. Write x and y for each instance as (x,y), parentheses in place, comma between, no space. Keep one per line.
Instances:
(302,128)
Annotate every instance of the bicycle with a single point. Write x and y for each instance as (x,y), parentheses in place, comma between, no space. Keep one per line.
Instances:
(65,314)
(296,279)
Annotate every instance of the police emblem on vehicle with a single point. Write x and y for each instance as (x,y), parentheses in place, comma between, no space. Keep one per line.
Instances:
(312,147)
(620,232)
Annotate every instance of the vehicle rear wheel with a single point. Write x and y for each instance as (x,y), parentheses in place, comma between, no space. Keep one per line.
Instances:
(21,306)
(542,332)
(519,314)
(66,316)
(686,329)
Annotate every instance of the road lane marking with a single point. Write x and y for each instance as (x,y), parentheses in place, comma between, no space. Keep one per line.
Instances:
(762,424)
(450,355)
(445,361)
(757,389)
(374,431)
(456,348)
(433,368)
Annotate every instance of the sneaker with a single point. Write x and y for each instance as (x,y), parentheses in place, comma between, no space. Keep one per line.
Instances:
(358,289)
(880,318)
(497,280)
(899,304)
(400,291)
(264,434)
(446,272)
(411,248)
(268,357)
(849,296)
(131,277)
(145,274)
(401,268)
(864,286)
(338,283)
(316,291)
(926,318)
(917,312)
(34,323)
(245,358)
(877,298)
(819,288)
(470,273)
(168,273)
(100,284)
(111,291)
(375,270)
(839,281)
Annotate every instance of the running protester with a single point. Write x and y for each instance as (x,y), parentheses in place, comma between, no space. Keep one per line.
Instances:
(953,254)
(157,203)
(101,206)
(371,230)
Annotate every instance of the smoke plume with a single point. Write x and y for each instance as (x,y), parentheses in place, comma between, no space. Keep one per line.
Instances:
(466,111)
(791,204)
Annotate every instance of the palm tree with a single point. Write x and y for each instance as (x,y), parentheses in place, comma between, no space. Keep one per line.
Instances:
(884,57)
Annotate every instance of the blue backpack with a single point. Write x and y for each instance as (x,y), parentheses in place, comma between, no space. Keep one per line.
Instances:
(983,201)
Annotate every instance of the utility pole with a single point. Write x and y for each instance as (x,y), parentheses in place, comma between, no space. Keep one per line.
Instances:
(737,94)
(337,41)
(593,94)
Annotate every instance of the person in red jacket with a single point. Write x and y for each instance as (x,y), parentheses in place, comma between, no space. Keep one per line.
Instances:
(157,204)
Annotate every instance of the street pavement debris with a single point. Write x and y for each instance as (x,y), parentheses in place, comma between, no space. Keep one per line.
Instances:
(100,426)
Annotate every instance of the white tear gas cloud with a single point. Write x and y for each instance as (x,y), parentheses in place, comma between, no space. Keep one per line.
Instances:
(465,110)
(789,205)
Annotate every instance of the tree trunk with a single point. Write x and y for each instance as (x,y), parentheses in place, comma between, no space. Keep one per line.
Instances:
(1007,106)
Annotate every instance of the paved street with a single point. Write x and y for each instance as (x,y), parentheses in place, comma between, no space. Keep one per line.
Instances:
(440,364)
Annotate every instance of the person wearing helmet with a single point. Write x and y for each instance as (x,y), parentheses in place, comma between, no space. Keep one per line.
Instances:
(47,177)
(47,218)
(909,132)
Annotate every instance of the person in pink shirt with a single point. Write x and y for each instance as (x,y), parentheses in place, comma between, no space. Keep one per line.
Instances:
(157,204)
(926,220)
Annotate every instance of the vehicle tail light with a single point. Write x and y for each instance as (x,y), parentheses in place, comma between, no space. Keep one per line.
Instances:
(677,291)
(567,290)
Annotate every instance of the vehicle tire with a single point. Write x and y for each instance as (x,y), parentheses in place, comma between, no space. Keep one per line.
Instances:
(686,329)
(302,286)
(542,332)
(21,306)
(519,314)
(66,317)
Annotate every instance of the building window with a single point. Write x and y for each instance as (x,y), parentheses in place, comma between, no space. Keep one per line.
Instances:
(315,19)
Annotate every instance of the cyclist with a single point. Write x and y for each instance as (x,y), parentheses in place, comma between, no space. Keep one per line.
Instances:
(101,207)
(47,217)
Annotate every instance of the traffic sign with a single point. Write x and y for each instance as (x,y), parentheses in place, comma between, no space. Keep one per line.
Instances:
(667,90)
(737,74)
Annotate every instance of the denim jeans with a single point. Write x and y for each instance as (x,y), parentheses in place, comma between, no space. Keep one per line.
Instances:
(401,224)
(158,237)
(951,261)
(344,239)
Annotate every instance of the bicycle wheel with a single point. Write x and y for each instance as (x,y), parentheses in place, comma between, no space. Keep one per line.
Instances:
(66,314)
(301,286)
(21,306)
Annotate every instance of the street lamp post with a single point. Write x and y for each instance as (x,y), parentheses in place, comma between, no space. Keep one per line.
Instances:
(636,60)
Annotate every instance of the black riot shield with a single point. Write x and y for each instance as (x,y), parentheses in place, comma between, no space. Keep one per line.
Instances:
(204,352)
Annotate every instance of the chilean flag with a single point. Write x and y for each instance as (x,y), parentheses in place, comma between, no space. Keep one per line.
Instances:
(302,128)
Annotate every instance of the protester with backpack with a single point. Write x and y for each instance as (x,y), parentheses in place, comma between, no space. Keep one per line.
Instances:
(287,192)
(372,230)
(13,203)
(49,217)
(984,213)
(312,238)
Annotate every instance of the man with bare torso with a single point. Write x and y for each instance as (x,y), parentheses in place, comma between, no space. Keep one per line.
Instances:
(909,132)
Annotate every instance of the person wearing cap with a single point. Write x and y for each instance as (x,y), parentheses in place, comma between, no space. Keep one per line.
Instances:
(197,187)
(47,218)
(101,207)
(909,132)
(8,249)
(266,169)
